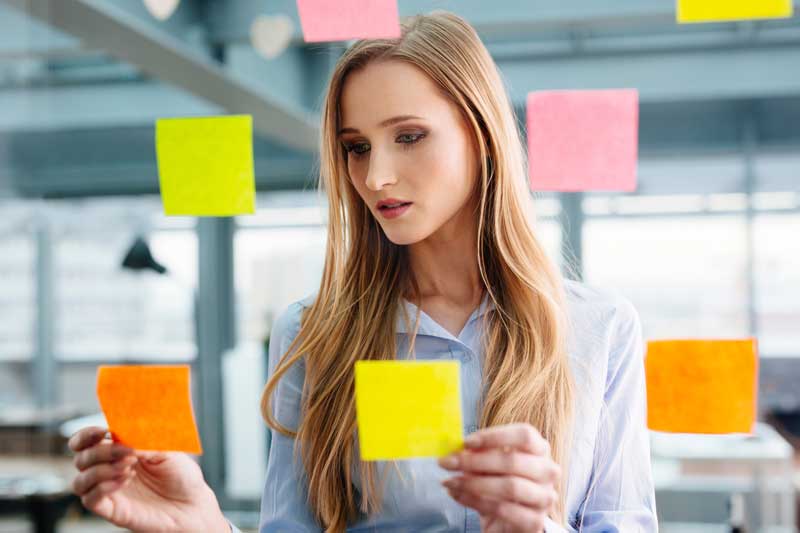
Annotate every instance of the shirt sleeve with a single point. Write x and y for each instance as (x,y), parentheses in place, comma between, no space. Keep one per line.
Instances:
(552,527)
(284,502)
(621,497)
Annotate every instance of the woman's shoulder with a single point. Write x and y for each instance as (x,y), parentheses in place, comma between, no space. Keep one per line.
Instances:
(284,331)
(588,303)
(287,323)
(599,315)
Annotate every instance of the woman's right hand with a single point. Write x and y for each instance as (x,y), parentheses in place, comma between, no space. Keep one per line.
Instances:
(142,491)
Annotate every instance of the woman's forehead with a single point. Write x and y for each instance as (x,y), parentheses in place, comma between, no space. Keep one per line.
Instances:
(385,89)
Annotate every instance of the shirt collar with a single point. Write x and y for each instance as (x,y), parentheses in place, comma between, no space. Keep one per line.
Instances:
(428,326)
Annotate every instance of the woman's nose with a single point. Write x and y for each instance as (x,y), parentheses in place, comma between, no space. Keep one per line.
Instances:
(381,173)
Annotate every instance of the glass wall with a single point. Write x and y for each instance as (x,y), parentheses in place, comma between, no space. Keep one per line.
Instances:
(105,312)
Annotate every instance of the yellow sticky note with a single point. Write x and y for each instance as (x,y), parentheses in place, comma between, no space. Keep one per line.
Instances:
(702,386)
(728,10)
(205,165)
(408,409)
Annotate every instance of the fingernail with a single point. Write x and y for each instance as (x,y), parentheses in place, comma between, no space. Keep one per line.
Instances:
(126,461)
(450,461)
(120,451)
(472,441)
(452,483)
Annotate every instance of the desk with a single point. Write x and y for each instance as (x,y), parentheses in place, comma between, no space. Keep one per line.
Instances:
(37,486)
(759,466)
(32,430)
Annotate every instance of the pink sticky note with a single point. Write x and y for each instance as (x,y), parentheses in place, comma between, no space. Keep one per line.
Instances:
(583,140)
(341,20)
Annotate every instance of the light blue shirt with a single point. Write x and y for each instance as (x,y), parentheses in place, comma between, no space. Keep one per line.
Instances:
(610,485)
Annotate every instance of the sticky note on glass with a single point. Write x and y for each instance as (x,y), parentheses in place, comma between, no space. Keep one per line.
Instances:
(408,409)
(689,11)
(583,140)
(341,20)
(149,407)
(702,386)
(205,165)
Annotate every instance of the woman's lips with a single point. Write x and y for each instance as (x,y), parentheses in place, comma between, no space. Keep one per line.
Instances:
(394,212)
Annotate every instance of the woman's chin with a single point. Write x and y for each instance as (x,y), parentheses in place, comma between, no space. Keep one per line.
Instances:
(403,238)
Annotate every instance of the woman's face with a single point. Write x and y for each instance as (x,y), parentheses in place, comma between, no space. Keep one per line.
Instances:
(407,145)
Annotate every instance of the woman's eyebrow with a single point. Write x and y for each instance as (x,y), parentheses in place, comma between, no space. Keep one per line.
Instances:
(388,122)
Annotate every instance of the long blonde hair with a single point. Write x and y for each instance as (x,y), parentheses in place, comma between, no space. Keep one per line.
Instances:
(526,371)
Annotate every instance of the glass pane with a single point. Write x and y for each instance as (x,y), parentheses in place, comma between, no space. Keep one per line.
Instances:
(17,281)
(777,270)
(685,274)
(548,232)
(274,267)
(107,312)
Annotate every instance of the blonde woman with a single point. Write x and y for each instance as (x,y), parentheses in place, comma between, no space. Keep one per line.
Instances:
(432,254)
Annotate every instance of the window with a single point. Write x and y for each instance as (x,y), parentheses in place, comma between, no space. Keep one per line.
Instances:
(17,281)
(548,228)
(777,271)
(107,313)
(279,254)
(685,274)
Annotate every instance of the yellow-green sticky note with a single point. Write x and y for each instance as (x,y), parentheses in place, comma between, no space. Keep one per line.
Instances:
(408,409)
(728,10)
(205,165)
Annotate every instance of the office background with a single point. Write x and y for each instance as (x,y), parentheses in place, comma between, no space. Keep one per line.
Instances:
(708,246)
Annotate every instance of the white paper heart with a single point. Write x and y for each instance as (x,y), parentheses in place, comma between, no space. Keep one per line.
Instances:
(161,9)
(271,35)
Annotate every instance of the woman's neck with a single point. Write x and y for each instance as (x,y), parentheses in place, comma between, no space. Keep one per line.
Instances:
(445,265)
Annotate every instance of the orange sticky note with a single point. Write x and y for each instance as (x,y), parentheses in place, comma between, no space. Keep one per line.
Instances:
(702,386)
(583,140)
(149,407)
(341,20)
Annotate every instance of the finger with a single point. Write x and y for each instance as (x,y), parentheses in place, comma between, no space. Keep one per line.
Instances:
(513,515)
(153,458)
(88,479)
(86,438)
(519,518)
(484,506)
(493,461)
(105,452)
(523,437)
(95,500)
(506,488)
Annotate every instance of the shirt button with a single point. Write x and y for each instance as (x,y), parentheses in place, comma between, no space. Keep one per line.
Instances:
(461,354)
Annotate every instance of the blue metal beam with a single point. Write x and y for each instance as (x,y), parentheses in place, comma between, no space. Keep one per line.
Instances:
(230,21)
(664,76)
(20,36)
(105,26)
(215,310)
(108,105)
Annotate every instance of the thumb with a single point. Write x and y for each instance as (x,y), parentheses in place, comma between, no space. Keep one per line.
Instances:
(152,458)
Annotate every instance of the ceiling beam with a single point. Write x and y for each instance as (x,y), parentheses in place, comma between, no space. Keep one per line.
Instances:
(106,105)
(135,178)
(664,76)
(105,26)
(230,20)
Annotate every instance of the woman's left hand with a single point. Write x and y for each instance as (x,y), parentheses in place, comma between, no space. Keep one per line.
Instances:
(507,475)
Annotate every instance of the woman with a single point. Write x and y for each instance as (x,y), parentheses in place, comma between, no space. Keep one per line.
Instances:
(431,254)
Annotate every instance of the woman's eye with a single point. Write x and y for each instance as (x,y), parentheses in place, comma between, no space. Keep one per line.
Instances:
(410,138)
(357,148)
